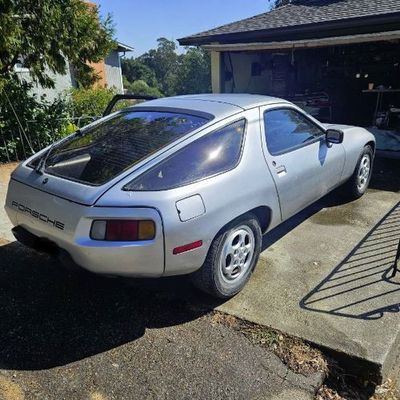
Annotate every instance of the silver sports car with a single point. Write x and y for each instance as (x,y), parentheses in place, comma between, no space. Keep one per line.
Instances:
(183,185)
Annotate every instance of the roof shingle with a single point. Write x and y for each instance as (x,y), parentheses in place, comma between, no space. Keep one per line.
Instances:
(304,12)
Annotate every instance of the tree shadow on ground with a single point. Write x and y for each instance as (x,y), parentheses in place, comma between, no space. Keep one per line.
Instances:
(50,317)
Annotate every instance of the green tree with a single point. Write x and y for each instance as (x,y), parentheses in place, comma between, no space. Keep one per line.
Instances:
(164,61)
(141,87)
(194,72)
(134,70)
(162,71)
(49,34)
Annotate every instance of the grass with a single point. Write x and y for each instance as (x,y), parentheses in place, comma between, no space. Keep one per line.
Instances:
(298,355)
(302,358)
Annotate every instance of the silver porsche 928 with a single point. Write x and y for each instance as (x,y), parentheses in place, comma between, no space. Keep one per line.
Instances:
(183,185)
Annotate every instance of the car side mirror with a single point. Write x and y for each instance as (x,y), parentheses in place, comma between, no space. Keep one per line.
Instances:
(334,136)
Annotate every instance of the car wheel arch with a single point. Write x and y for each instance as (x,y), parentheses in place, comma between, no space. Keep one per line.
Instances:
(263,214)
(372,144)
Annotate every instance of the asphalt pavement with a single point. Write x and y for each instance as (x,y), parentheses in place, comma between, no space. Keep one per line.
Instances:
(78,336)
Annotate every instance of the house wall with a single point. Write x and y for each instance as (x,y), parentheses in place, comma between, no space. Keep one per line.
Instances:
(113,73)
(239,64)
(62,83)
(109,72)
(100,70)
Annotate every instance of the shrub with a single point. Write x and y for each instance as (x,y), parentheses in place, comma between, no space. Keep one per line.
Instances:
(42,121)
(89,102)
(141,87)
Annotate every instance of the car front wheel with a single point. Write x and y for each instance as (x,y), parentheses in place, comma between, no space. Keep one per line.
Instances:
(231,259)
(357,185)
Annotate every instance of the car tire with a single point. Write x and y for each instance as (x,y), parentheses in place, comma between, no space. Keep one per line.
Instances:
(358,183)
(231,259)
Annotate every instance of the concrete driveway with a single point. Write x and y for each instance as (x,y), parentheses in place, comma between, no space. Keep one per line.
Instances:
(324,275)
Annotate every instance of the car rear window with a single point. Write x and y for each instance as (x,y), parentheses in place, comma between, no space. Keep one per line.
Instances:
(113,146)
(210,155)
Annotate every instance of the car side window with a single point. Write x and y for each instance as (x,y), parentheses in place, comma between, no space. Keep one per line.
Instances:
(286,129)
(212,154)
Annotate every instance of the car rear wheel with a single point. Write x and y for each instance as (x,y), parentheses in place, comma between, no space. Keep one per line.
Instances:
(357,185)
(231,259)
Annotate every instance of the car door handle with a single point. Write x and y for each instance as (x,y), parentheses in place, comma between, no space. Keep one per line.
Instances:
(281,170)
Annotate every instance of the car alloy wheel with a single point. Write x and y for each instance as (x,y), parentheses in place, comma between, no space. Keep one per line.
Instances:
(237,254)
(364,171)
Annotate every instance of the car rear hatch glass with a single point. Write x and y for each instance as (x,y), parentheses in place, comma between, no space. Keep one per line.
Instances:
(102,152)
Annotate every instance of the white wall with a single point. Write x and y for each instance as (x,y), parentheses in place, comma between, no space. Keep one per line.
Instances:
(244,82)
(113,71)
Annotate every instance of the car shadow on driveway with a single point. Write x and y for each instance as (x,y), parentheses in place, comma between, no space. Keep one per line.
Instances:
(361,286)
(50,317)
(333,199)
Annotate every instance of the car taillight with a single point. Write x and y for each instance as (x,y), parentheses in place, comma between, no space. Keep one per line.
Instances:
(123,230)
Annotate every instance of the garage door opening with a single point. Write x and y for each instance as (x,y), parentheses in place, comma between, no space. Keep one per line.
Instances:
(355,84)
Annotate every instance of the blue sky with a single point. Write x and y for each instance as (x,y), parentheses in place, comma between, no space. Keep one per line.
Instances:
(140,22)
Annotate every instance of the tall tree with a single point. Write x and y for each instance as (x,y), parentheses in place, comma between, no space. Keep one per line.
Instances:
(164,62)
(49,34)
(162,71)
(135,70)
(194,72)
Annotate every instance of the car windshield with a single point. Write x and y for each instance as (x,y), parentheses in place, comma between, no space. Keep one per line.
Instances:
(113,146)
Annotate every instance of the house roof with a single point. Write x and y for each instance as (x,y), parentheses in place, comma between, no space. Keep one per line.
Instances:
(123,48)
(305,17)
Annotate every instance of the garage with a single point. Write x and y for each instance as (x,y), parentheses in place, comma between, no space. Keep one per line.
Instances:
(338,60)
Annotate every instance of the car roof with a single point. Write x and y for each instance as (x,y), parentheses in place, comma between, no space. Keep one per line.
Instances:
(219,105)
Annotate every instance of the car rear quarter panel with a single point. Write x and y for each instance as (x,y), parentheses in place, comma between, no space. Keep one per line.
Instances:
(36,211)
(225,197)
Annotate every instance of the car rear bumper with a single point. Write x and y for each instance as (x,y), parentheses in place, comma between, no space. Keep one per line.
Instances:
(49,222)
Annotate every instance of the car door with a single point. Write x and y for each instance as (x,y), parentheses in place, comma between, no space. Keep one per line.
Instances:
(303,165)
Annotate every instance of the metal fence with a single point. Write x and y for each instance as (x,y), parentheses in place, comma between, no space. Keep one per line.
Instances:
(26,140)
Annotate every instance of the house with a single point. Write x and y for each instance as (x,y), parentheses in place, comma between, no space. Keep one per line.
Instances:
(338,59)
(108,70)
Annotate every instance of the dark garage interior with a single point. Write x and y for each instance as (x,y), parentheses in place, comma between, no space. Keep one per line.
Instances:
(356,84)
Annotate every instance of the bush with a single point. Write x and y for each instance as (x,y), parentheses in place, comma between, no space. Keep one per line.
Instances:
(89,102)
(42,121)
(141,87)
